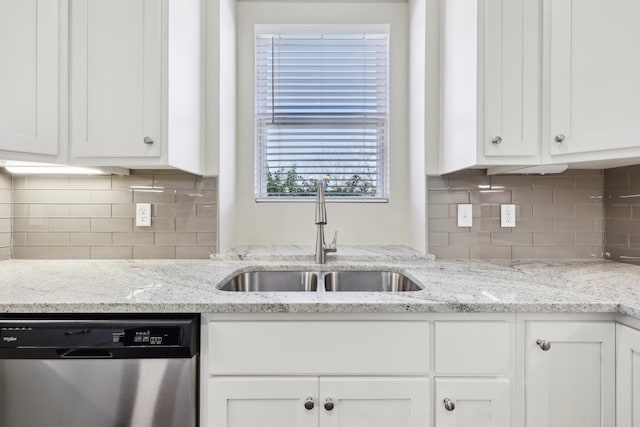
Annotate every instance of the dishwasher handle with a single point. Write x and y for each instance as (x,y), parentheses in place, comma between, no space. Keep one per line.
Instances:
(84,353)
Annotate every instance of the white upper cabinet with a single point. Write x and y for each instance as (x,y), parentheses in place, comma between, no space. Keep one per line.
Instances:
(136,83)
(498,56)
(32,78)
(490,83)
(116,87)
(593,65)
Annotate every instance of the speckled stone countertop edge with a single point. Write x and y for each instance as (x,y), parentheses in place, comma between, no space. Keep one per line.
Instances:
(169,286)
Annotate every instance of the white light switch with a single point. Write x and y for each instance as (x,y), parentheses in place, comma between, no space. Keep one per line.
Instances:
(143,214)
(465,215)
(507,216)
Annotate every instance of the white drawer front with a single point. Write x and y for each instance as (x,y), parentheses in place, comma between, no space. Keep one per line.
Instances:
(319,347)
(479,347)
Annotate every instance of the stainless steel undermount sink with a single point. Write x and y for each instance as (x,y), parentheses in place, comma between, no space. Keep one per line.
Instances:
(273,281)
(368,281)
(333,281)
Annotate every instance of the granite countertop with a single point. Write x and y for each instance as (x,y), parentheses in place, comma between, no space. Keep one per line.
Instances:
(67,286)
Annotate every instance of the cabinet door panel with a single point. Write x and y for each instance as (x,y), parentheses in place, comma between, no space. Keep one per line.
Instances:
(369,402)
(29,76)
(305,346)
(511,77)
(478,403)
(263,402)
(594,66)
(628,377)
(572,384)
(116,85)
(479,347)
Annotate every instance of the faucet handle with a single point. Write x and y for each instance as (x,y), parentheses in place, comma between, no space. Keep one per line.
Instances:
(333,246)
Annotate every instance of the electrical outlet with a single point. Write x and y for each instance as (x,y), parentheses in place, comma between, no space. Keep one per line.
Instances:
(143,214)
(465,215)
(507,216)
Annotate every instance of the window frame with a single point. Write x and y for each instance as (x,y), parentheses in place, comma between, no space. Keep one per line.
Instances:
(294,29)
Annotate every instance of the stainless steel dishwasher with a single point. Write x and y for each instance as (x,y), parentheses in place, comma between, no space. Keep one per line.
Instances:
(99,372)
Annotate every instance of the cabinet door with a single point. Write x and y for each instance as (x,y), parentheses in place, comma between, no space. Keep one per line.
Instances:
(468,402)
(116,78)
(570,377)
(511,78)
(374,402)
(628,377)
(263,402)
(594,92)
(29,75)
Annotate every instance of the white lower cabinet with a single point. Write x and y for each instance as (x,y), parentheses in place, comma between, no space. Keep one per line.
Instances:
(431,370)
(570,374)
(313,401)
(374,402)
(628,377)
(472,402)
(315,370)
(264,402)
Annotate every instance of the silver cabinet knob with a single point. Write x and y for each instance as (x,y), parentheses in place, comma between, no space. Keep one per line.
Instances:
(328,404)
(559,138)
(448,404)
(497,140)
(148,140)
(309,403)
(544,345)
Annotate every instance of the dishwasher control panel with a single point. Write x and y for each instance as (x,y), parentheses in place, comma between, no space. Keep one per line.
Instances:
(148,336)
(117,338)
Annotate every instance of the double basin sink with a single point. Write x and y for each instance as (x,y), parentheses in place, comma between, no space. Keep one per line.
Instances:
(320,281)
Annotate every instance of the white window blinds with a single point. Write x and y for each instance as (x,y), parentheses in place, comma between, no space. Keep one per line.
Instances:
(321,111)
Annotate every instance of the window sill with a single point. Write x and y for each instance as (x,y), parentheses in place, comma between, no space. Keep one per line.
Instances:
(312,199)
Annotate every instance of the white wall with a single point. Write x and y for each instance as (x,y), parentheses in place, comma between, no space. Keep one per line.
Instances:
(220,83)
(293,223)
(417,124)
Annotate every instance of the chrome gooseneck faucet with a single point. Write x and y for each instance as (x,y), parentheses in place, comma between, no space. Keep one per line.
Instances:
(321,220)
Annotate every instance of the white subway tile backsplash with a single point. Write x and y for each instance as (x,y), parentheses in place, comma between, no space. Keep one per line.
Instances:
(621,221)
(90,239)
(113,225)
(175,239)
(111,196)
(69,224)
(47,239)
(89,211)
(207,239)
(133,239)
(154,252)
(90,183)
(192,252)
(552,211)
(93,217)
(111,252)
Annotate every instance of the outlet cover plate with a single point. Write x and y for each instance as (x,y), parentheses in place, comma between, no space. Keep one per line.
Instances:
(507,216)
(465,215)
(143,214)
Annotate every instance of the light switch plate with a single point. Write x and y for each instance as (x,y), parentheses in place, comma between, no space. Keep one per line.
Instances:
(507,216)
(465,215)
(143,214)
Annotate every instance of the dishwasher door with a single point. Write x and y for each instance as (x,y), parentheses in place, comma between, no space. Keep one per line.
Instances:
(151,392)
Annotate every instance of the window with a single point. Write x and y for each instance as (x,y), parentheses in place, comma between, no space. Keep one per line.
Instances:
(321,110)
